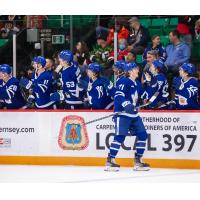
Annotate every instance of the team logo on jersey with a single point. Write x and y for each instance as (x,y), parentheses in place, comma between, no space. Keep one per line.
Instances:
(73,133)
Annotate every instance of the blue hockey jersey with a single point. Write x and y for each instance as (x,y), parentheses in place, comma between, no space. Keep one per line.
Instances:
(42,88)
(98,96)
(109,86)
(186,96)
(127,91)
(11,95)
(1,83)
(70,78)
(157,84)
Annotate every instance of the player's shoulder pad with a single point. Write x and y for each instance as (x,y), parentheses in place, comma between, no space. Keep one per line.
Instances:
(13,81)
(125,81)
(193,81)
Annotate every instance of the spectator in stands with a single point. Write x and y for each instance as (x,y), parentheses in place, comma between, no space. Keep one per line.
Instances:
(184,27)
(82,57)
(56,59)
(101,53)
(138,36)
(4,33)
(123,33)
(81,53)
(122,50)
(197,29)
(157,46)
(131,57)
(177,53)
(12,23)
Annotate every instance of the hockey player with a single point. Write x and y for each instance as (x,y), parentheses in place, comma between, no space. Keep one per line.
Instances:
(41,85)
(10,92)
(156,83)
(128,92)
(71,93)
(118,68)
(186,86)
(97,93)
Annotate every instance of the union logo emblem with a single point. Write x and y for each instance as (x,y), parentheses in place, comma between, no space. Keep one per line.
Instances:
(73,133)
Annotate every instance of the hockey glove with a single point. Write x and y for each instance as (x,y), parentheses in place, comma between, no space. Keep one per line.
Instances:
(30,101)
(128,107)
(24,82)
(147,77)
(83,84)
(57,96)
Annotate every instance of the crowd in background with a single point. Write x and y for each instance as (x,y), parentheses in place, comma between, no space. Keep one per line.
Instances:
(132,40)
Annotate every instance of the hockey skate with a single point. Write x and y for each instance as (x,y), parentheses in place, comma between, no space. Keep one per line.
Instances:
(139,165)
(111,165)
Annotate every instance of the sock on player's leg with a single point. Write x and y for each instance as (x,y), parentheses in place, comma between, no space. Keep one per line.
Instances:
(140,148)
(141,143)
(115,145)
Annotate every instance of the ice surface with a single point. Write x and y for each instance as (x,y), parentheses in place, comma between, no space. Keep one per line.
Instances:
(78,174)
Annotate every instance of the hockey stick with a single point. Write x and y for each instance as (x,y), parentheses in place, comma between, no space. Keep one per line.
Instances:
(118,113)
(166,104)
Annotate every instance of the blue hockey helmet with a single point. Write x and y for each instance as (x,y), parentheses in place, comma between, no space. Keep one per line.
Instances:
(120,64)
(40,60)
(189,68)
(94,67)
(158,63)
(66,55)
(35,59)
(130,66)
(5,68)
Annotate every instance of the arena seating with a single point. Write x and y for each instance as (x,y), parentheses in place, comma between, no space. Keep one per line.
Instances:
(3,42)
(81,21)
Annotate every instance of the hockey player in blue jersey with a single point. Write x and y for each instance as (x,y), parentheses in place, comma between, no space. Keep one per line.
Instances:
(10,92)
(97,92)
(186,88)
(127,94)
(118,69)
(155,83)
(71,93)
(41,85)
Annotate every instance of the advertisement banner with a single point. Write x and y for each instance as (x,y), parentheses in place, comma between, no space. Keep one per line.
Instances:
(171,135)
